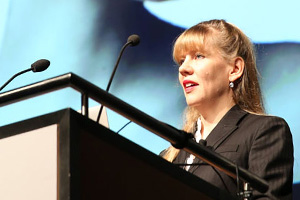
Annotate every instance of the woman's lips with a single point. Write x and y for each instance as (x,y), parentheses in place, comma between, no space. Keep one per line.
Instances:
(189,85)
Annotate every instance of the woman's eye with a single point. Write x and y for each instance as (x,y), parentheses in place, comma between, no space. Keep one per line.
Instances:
(198,56)
(181,62)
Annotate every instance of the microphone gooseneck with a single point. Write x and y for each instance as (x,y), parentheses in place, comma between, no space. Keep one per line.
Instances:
(37,66)
(132,40)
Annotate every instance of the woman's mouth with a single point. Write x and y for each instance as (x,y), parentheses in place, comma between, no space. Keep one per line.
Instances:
(189,85)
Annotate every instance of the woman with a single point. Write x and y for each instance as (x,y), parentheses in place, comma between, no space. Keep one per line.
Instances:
(217,70)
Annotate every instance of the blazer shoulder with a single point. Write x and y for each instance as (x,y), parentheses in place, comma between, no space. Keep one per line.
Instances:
(268,125)
(262,119)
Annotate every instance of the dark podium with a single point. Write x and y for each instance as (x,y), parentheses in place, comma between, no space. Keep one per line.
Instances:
(96,163)
(86,160)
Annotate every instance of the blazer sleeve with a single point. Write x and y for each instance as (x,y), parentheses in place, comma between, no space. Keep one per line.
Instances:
(271,158)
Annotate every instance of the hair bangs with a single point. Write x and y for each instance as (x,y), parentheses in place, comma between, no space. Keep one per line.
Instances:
(189,42)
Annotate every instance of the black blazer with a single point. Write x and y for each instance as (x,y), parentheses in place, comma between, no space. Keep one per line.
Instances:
(261,144)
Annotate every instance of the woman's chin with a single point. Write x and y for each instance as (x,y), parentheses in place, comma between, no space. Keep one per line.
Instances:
(193,103)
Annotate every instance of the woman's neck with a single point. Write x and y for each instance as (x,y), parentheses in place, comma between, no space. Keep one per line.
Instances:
(211,117)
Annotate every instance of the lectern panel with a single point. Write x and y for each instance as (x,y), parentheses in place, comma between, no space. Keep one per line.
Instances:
(28,167)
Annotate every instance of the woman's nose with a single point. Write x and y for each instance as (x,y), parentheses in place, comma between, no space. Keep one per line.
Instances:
(186,68)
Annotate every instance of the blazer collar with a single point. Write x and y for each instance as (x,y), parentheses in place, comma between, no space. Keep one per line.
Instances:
(227,125)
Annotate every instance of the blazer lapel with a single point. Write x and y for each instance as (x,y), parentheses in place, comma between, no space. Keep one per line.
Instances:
(227,125)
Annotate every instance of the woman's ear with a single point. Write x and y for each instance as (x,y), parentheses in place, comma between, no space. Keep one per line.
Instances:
(237,69)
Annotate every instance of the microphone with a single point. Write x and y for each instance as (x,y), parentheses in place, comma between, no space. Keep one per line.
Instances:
(133,40)
(37,66)
(40,65)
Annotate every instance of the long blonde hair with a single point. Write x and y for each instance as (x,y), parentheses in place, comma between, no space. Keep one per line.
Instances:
(231,43)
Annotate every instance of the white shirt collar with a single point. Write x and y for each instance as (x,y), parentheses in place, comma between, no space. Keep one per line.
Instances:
(198,135)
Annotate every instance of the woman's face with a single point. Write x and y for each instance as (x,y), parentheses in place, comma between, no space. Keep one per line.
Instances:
(204,77)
